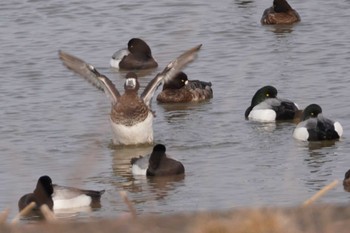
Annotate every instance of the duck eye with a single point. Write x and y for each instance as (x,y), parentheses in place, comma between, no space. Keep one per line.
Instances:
(267,94)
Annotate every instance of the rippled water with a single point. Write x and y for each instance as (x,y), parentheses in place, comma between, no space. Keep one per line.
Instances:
(53,122)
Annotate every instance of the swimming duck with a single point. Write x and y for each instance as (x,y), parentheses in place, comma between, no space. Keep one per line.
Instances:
(346,181)
(41,194)
(59,197)
(131,115)
(267,107)
(315,127)
(137,56)
(280,13)
(179,89)
(156,164)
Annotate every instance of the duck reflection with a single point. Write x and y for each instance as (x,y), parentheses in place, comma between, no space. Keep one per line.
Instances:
(280,30)
(161,186)
(158,187)
(316,146)
(122,156)
(243,3)
(177,111)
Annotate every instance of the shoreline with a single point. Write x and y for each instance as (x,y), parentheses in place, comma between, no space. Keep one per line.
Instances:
(310,219)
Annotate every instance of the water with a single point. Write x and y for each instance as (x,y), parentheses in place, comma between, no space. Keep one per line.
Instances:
(53,122)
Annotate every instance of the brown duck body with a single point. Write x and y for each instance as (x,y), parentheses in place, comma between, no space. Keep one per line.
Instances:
(181,90)
(280,13)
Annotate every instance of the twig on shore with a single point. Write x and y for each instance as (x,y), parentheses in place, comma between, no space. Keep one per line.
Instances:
(128,203)
(3,216)
(320,193)
(47,213)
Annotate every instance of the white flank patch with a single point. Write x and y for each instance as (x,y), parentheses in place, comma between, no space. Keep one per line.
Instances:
(114,63)
(118,56)
(76,202)
(338,128)
(136,170)
(301,133)
(262,115)
(140,133)
(140,166)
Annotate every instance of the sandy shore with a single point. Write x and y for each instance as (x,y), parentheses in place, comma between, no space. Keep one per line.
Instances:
(320,218)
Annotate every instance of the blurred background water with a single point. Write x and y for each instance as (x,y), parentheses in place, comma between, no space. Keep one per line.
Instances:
(53,122)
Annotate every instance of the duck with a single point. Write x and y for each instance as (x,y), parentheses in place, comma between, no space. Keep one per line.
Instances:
(137,56)
(280,13)
(346,181)
(59,197)
(131,115)
(41,195)
(315,127)
(156,164)
(179,89)
(267,107)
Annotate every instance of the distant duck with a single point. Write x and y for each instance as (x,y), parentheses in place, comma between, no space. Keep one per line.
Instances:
(137,56)
(280,13)
(267,107)
(315,127)
(59,197)
(131,115)
(346,181)
(179,89)
(157,164)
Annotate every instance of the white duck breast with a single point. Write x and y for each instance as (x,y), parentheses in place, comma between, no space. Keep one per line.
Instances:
(301,131)
(139,165)
(263,112)
(139,133)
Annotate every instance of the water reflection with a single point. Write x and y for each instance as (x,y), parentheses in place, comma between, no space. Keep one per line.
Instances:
(122,156)
(263,127)
(316,146)
(175,112)
(161,186)
(319,162)
(280,29)
(142,189)
(243,3)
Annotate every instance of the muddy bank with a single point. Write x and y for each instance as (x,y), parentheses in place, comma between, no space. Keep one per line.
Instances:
(321,218)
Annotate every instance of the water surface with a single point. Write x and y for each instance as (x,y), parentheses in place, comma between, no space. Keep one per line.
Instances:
(53,122)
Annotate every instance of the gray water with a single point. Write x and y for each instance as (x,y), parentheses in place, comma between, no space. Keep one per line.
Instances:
(53,122)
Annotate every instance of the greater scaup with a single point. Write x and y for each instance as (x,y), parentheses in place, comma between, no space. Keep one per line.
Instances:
(131,115)
(267,107)
(59,197)
(156,164)
(280,13)
(41,194)
(315,127)
(137,56)
(179,89)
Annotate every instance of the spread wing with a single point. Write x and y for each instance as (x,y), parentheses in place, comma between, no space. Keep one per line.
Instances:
(172,69)
(89,73)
